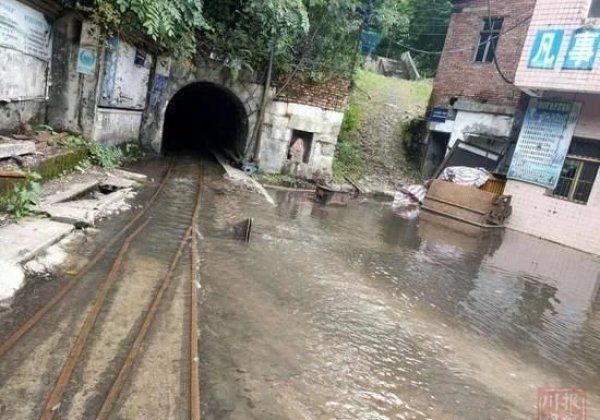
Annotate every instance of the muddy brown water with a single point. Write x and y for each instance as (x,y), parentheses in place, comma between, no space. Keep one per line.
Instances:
(354,313)
(329,312)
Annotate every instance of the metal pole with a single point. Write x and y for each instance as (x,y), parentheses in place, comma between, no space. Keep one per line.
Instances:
(261,114)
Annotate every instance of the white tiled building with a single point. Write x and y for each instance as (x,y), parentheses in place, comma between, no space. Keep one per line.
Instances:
(560,62)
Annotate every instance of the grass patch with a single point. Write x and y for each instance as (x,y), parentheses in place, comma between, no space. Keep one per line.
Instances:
(349,160)
(365,145)
(282,180)
(21,199)
(97,154)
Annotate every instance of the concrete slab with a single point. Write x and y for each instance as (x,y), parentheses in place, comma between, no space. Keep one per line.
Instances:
(16,148)
(84,213)
(129,175)
(73,213)
(12,280)
(117,183)
(111,200)
(235,174)
(19,242)
(70,193)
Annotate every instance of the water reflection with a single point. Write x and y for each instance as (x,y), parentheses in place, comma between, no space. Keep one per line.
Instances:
(391,318)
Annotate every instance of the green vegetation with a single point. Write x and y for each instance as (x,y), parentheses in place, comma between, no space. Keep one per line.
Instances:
(373,140)
(283,180)
(411,134)
(428,22)
(20,200)
(171,25)
(314,38)
(103,156)
(349,160)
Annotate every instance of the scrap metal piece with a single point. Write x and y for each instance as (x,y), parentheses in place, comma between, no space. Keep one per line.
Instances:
(243,230)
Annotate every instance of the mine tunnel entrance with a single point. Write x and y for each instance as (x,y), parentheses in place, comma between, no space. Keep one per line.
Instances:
(204,116)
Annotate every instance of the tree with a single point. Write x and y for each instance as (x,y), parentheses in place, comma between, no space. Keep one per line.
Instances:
(426,30)
(242,32)
(170,25)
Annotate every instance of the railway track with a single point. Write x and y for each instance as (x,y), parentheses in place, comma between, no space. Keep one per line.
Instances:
(132,231)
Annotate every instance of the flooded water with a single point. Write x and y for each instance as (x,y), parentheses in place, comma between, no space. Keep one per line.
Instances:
(353,313)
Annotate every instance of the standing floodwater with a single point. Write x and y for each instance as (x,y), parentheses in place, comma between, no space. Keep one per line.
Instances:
(354,313)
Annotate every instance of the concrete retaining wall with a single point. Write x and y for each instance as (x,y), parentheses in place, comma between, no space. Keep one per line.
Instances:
(282,119)
(181,74)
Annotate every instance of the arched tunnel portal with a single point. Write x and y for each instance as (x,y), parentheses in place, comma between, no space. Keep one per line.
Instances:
(204,116)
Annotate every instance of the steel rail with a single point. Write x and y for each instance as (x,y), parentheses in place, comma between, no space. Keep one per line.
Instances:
(57,393)
(14,338)
(194,336)
(127,365)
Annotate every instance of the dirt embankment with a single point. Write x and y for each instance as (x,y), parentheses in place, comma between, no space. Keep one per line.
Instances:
(382,106)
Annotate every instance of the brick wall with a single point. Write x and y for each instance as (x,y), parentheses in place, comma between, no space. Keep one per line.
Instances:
(544,216)
(567,15)
(332,95)
(459,75)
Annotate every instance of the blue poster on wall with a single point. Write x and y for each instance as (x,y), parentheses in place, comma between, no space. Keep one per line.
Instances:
(546,48)
(544,142)
(583,49)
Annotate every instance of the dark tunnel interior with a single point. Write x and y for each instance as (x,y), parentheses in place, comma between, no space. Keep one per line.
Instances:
(204,116)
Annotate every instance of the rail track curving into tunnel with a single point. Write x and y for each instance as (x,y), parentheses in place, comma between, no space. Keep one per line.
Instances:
(101,323)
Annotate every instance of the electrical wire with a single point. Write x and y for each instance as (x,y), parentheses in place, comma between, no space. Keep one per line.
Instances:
(512,28)
(494,58)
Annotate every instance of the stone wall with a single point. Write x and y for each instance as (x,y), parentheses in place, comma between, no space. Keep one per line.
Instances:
(281,120)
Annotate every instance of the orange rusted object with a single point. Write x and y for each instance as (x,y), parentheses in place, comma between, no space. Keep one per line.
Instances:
(66,372)
(133,353)
(31,322)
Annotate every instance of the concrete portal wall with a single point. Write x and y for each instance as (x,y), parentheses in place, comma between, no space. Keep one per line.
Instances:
(73,96)
(542,215)
(116,126)
(281,119)
(166,84)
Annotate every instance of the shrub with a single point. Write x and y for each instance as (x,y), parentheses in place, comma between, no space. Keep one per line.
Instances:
(22,198)
(349,160)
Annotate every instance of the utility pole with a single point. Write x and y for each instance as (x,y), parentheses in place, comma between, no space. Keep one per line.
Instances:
(263,105)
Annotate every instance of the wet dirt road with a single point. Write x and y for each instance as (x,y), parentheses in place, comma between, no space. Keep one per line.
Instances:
(345,313)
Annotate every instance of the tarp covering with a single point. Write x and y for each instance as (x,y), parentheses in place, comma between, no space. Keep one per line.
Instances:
(466,176)
(408,200)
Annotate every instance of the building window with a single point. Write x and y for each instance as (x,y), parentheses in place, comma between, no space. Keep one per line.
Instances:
(594,9)
(577,179)
(488,40)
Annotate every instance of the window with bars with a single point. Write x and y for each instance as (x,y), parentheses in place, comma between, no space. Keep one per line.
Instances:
(488,40)
(579,171)
(594,9)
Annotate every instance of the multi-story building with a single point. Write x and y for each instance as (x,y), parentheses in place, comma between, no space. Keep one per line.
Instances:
(535,108)
(554,176)
(472,102)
